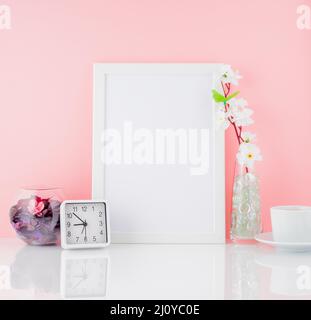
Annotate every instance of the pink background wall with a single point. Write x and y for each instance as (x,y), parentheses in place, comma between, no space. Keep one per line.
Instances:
(46,83)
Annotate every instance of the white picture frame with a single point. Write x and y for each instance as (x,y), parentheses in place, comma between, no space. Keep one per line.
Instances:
(141,205)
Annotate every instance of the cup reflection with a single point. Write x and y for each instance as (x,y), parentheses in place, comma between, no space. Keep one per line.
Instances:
(290,273)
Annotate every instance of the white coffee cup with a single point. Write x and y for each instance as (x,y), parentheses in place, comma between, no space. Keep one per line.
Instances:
(291,223)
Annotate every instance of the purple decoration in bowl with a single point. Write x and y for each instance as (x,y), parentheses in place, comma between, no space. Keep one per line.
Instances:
(36,217)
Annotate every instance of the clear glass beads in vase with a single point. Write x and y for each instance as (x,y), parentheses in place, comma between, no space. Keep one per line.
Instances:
(246,215)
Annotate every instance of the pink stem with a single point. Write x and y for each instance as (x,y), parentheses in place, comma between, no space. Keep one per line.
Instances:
(238,135)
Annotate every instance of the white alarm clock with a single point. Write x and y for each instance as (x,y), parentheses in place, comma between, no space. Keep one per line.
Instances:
(84,224)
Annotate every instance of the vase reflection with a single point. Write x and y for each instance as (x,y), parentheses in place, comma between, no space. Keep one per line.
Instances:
(37,269)
(242,272)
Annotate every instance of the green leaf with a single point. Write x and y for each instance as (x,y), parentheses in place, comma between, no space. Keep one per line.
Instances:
(232,95)
(218,97)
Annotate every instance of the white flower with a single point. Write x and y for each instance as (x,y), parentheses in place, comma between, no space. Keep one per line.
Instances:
(248,137)
(222,121)
(239,103)
(239,113)
(227,75)
(248,154)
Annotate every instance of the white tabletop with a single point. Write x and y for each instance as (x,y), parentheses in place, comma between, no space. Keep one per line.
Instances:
(153,272)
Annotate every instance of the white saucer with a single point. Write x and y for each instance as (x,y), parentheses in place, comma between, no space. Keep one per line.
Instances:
(267,238)
(282,260)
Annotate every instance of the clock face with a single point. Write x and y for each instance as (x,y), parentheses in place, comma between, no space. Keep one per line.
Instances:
(85,223)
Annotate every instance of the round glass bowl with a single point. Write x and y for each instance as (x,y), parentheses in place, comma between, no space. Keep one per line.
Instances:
(35,215)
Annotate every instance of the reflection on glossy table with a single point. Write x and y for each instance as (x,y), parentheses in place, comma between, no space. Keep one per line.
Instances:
(229,271)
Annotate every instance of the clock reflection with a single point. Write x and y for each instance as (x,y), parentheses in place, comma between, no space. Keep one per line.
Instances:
(84,274)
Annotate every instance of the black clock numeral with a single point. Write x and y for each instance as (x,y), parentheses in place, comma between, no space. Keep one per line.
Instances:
(68,234)
(69,215)
(94,239)
(101,232)
(84,208)
(75,209)
(101,223)
(100,214)
(77,239)
(68,224)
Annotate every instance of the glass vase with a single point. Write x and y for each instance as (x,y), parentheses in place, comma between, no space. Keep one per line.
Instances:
(35,215)
(246,215)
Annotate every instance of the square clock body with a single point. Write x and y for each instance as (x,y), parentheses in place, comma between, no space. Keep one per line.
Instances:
(84,224)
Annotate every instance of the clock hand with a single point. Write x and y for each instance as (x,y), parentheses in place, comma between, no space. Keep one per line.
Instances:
(78,218)
(78,283)
(85,227)
(84,270)
(79,224)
